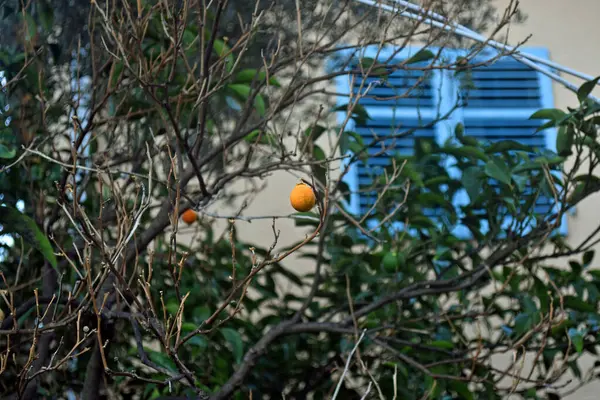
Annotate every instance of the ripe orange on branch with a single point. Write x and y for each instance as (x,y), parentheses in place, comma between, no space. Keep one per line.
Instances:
(189,216)
(302,197)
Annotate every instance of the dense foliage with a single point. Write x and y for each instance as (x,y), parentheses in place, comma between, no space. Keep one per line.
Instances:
(104,294)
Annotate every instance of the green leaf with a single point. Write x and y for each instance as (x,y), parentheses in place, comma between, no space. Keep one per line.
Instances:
(552,114)
(46,16)
(312,221)
(550,161)
(577,339)
(241,93)
(507,145)
(541,291)
(549,124)
(459,133)
(259,104)
(235,340)
(260,137)
(588,256)
(359,113)
(366,62)
(498,170)
(381,72)
(240,90)
(528,305)
(575,267)
(148,389)
(319,169)
(420,221)
(13,221)
(421,55)
(564,140)
(357,138)
(188,327)
(521,181)
(523,322)
(430,199)
(319,154)
(586,185)
(116,73)
(575,368)
(432,387)
(462,389)
(472,182)
(437,180)
(357,148)
(251,74)
(589,142)
(344,190)
(575,303)
(588,127)
(187,40)
(410,171)
(584,90)
(223,50)
(161,359)
(30,27)
(459,130)
(315,132)
(344,143)
(172,307)
(201,314)
(467,152)
(442,344)
(7,153)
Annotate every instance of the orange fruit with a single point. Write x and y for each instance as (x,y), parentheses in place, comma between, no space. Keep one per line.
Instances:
(302,197)
(189,216)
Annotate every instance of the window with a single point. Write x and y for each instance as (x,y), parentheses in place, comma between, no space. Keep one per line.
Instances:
(500,98)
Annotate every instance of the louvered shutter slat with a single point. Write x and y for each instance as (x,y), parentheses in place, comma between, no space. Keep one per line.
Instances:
(507,84)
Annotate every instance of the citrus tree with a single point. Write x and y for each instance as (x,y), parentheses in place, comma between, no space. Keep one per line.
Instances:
(161,110)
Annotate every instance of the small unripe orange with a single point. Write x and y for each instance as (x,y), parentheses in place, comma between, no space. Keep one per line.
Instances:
(302,197)
(189,216)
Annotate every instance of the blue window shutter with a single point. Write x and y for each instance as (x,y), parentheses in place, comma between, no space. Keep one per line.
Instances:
(504,96)
(390,114)
(378,160)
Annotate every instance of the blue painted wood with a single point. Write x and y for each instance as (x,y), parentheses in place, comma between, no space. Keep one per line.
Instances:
(391,101)
(503,103)
(506,94)
(500,74)
(500,98)
(380,134)
(508,84)
(477,126)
